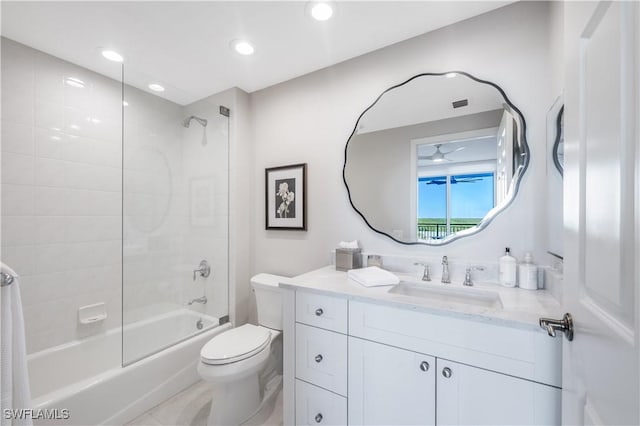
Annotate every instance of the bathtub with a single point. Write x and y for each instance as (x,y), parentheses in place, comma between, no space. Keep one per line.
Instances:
(86,377)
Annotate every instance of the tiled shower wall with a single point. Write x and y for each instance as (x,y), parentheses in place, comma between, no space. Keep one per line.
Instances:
(62,168)
(61,191)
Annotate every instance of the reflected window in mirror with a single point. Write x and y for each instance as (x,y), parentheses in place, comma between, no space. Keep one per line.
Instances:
(435,158)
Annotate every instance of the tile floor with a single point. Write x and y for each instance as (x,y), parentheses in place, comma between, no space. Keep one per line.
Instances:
(191,408)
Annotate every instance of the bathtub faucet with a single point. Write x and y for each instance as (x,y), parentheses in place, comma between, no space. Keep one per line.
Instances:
(202,300)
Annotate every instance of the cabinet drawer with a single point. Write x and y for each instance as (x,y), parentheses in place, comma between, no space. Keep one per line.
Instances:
(321,311)
(316,406)
(321,358)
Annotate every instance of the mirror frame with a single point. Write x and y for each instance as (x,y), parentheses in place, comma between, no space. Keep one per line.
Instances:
(556,143)
(493,212)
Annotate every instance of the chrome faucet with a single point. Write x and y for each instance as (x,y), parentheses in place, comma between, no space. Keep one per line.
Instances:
(467,275)
(202,300)
(445,270)
(426,273)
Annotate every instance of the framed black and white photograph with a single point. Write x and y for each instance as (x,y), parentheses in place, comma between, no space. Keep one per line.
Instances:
(286,198)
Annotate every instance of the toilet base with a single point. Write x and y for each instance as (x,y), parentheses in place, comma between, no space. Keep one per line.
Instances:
(267,406)
(232,402)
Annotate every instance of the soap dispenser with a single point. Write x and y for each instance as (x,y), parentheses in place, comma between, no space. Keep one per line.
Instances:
(507,276)
(528,273)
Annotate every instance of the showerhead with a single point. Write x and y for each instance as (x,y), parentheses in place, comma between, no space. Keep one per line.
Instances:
(187,121)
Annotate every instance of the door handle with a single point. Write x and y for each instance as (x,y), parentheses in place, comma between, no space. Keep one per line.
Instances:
(565,325)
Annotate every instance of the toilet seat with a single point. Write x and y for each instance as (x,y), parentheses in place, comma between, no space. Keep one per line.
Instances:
(235,345)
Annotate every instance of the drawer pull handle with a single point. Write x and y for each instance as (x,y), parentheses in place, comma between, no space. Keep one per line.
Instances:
(446,372)
(319,313)
(318,358)
(318,417)
(424,366)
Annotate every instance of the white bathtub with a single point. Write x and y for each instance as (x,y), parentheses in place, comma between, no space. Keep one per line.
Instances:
(86,376)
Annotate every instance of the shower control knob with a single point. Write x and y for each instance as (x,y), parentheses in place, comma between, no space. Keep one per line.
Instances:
(318,417)
(319,312)
(319,358)
(424,366)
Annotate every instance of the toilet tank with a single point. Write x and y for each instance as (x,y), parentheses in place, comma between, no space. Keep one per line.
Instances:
(268,300)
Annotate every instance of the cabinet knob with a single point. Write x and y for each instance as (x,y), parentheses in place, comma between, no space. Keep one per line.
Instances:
(446,372)
(318,358)
(319,312)
(318,417)
(424,366)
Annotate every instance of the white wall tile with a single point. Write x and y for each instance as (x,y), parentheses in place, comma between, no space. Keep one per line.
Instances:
(50,230)
(18,168)
(52,258)
(50,201)
(50,172)
(49,115)
(20,258)
(50,143)
(17,138)
(17,231)
(17,200)
(49,78)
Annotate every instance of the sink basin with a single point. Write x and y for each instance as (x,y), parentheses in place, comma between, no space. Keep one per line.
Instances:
(467,296)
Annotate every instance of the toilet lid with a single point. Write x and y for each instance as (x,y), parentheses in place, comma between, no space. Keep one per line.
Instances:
(235,344)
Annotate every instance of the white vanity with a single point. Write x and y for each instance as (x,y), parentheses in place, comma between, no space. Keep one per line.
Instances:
(356,355)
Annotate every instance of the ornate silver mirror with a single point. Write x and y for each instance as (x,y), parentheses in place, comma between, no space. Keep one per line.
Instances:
(435,158)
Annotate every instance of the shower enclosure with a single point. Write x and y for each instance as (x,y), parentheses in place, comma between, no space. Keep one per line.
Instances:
(175,219)
(112,198)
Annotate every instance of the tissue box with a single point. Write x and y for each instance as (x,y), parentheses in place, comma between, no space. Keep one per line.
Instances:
(348,259)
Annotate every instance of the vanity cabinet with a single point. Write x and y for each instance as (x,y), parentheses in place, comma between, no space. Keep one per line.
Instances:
(370,363)
(389,385)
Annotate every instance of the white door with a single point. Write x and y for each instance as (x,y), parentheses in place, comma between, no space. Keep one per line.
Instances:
(468,395)
(390,386)
(601,213)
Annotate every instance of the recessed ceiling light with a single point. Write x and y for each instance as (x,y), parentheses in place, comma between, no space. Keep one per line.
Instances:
(156,87)
(321,11)
(451,74)
(242,47)
(112,55)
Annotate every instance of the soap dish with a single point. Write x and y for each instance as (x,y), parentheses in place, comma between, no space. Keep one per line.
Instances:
(92,313)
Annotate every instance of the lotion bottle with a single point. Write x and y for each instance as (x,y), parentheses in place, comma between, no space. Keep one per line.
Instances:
(508,266)
(528,273)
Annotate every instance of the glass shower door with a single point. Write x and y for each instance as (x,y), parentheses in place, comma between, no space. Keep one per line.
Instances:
(175,221)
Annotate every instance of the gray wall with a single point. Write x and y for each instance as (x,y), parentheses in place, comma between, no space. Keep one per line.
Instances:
(309,119)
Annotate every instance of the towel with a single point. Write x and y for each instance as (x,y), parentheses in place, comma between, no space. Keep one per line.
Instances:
(14,378)
(373,276)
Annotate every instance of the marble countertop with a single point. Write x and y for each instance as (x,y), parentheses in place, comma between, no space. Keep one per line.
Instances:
(520,308)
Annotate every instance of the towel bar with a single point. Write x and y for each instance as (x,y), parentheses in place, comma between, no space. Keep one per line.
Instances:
(6,279)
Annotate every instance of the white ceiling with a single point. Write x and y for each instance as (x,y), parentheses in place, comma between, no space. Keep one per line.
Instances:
(185,45)
(429,98)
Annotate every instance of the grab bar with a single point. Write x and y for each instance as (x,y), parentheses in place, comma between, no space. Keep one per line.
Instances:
(6,279)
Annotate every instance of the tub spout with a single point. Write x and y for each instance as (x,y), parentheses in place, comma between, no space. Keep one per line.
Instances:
(202,300)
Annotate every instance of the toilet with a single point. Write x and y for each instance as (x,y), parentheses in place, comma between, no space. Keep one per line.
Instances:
(244,364)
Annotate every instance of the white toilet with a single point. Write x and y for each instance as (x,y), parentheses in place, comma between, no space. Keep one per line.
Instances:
(244,364)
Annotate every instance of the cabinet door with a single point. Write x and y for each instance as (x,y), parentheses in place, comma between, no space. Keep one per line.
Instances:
(316,406)
(389,386)
(470,395)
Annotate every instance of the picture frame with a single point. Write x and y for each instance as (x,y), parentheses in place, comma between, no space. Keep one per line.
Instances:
(286,197)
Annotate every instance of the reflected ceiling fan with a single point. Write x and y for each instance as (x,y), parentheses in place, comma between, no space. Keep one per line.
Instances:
(439,156)
(453,181)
